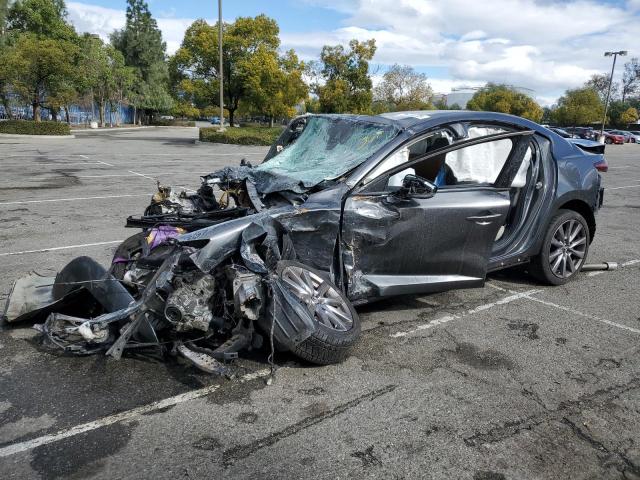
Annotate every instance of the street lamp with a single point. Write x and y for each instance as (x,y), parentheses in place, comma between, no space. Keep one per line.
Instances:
(622,53)
(220,75)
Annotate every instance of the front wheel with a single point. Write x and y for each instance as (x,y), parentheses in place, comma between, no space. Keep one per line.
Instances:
(127,252)
(338,324)
(564,250)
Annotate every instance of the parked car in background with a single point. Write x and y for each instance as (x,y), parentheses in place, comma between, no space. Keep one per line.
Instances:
(586,133)
(636,135)
(628,136)
(562,132)
(613,138)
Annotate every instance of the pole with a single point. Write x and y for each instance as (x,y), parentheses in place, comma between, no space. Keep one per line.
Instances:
(606,102)
(220,75)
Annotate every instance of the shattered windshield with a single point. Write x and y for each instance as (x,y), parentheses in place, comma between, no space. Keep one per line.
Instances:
(328,148)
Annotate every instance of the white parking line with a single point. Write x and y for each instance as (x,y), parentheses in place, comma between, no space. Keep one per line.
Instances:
(141,174)
(582,314)
(618,188)
(120,417)
(100,161)
(129,175)
(630,262)
(180,154)
(53,249)
(50,155)
(73,199)
(481,308)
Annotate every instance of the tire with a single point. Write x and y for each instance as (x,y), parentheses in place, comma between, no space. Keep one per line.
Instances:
(328,344)
(563,252)
(127,250)
(608,141)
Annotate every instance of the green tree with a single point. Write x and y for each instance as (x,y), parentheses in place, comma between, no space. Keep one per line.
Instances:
(195,64)
(4,73)
(581,106)
(32,25)
(140,42)
(630,78)
(4,10)
(630,115)
(402,88)
(616,113)
(600,83)
(504,99)
(274,84)
(104,75)
(347,84)
(38,67)
(43,18)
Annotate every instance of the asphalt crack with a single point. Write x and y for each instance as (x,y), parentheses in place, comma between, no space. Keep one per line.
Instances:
(513,427)
(628,465)
(242,451)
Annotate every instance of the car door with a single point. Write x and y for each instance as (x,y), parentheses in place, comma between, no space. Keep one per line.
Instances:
(397,242)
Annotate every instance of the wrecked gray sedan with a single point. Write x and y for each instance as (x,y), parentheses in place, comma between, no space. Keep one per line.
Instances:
(343,210)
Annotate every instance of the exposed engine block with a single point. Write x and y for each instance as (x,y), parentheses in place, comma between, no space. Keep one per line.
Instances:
(187,307)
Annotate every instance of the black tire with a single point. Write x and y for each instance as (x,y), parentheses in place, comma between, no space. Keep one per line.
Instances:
(127,250)
(608,141)
(542,264)
(326,345)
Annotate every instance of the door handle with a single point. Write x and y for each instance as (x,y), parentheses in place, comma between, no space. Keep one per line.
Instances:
(484,219)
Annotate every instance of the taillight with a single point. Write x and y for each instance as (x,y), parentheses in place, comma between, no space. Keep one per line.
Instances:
(601,165)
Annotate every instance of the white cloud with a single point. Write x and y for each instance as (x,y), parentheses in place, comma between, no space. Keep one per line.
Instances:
(103,21)
(545,45)
(95,19)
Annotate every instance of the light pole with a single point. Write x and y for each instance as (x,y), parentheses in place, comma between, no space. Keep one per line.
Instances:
(220,75)
(622,53)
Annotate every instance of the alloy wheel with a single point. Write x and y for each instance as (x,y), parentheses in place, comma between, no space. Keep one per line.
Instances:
(321,298)
(568,248)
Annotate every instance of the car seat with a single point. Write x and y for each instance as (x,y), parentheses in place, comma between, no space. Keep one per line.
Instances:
(433,169)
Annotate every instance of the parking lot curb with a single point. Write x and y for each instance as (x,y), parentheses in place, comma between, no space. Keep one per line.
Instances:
(16,135)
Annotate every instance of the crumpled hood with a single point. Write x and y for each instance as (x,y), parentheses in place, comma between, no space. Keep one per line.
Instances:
(223,239)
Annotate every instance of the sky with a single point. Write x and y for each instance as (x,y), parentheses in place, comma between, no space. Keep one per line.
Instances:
(546,46)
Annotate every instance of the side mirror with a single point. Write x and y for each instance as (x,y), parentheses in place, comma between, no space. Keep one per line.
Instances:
(415,185)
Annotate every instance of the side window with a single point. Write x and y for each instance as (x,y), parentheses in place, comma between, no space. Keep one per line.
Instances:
(428,170)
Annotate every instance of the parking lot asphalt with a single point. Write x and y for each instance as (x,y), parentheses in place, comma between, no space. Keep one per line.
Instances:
(515,380)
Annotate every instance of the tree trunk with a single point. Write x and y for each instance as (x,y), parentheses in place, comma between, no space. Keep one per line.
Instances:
(270,121)
(135,113)
(231,117)
(101,112)
(54,115)
(66,114)
(36,111)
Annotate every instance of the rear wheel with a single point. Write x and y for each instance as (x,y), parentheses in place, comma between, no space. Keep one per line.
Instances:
(564,250)
(338,324)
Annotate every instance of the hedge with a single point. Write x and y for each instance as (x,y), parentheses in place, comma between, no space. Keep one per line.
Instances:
(162,122)
(241,136)
(28,127)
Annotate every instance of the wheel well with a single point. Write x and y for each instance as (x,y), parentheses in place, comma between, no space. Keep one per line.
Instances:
(583,209)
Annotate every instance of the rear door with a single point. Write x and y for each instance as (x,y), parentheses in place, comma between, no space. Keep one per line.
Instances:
(404,244)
